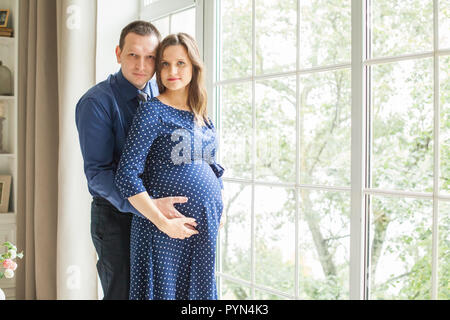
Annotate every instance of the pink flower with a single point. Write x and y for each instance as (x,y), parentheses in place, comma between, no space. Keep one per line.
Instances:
(9,264)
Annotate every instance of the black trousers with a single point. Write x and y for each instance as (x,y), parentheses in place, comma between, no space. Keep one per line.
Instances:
(110,231)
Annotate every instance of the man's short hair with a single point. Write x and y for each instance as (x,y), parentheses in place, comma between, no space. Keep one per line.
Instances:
(142,28)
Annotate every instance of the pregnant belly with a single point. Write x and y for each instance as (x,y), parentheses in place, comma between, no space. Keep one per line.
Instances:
(200,185)
(195,181)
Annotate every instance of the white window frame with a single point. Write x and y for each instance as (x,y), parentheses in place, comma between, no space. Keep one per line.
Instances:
(436,196)
(359,189)
(161,9)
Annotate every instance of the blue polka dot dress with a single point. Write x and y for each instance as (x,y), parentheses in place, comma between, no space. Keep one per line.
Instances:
(167,154)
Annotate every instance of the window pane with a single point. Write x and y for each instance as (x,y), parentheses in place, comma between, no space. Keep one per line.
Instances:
(233,291)
(149,2)
(325,32)
(324,229)
(400,248)
(276,35)
(184,22)
(235,236)
(402,116)
(236,133)
(263,295)
(163,26)
(401,27)
(444,134)
(444,251)
(235,39)
(275,238)
(325,128)
(444,24)
(275,127)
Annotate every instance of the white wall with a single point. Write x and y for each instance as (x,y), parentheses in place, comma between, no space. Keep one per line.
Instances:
(112,17)
(76,272)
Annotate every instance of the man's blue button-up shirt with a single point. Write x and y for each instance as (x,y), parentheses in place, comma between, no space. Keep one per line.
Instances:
(103,116)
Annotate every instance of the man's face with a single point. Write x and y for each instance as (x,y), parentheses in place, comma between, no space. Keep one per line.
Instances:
(137,58)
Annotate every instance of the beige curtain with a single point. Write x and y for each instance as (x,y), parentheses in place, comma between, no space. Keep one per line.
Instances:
(56,66)
(37,187)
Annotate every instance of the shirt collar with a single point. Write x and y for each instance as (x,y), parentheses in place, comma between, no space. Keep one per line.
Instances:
(129,91)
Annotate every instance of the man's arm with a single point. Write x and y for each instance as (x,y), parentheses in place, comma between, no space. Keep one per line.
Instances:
(95,130)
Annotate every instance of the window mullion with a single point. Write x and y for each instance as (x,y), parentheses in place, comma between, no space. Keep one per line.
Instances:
(297,160)
(435,223)
(253,227)
(357,218)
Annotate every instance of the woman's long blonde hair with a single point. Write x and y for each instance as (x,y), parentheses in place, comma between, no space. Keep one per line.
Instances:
(197,97)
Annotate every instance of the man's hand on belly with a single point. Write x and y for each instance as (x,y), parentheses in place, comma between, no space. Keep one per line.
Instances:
(166,206)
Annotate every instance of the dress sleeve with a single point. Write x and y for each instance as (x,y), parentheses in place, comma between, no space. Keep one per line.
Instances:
(144,130)
(216,168)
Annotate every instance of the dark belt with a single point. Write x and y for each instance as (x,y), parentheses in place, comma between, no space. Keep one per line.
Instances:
(100,200)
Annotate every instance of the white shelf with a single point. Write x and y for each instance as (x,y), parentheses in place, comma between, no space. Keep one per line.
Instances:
(7,98)
(7,155)
(7,218)
(9,41)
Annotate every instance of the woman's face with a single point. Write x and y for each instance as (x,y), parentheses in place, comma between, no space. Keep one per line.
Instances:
(176,68)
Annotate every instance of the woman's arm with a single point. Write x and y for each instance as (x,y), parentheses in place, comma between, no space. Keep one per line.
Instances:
(143,132)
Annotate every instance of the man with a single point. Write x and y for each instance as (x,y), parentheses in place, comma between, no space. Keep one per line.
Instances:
(103,116)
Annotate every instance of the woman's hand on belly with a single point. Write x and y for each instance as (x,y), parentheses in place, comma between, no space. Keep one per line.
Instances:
(166,206)
(179,228)
(174,228)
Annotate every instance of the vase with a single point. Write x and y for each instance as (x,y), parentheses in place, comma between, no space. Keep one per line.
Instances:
(5,81)
(2,295)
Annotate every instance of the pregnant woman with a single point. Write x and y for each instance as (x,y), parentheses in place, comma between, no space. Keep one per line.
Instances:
(170,151)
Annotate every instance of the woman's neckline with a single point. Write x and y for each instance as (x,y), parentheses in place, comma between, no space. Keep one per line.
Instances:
(172,107)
